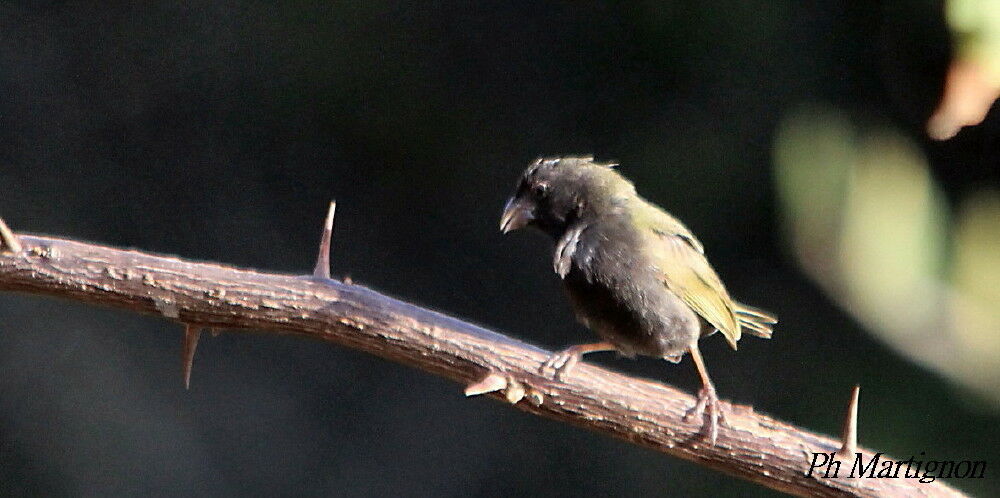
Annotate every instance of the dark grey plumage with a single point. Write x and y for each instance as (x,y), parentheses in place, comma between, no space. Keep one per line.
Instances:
(635,275)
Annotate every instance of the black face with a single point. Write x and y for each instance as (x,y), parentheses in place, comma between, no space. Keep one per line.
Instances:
(545,198)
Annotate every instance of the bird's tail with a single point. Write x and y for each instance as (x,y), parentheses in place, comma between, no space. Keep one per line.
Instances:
(755,320)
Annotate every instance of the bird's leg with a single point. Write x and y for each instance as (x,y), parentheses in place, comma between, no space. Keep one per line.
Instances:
(561,363)
(707,399)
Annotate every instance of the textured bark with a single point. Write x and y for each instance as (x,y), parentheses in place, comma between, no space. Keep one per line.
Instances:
(752,446)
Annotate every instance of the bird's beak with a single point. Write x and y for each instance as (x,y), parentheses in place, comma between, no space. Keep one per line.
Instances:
(516,214)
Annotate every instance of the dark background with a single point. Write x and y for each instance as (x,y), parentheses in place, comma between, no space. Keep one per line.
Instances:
(220,130)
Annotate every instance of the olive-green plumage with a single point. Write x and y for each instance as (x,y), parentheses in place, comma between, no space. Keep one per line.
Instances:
(635,274)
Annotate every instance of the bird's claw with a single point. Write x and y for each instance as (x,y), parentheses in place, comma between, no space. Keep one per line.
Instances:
(708,402)
(561,363)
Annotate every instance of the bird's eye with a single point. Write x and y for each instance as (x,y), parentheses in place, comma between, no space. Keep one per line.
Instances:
(540,189)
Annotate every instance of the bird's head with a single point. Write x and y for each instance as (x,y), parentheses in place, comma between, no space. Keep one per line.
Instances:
(554,192)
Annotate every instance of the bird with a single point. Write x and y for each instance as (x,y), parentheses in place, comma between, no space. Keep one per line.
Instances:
(635,275)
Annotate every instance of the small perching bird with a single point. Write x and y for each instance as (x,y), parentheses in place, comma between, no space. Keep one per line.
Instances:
(636,275)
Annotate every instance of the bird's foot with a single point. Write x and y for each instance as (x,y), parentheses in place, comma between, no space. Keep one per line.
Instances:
(560,364)
(708,404)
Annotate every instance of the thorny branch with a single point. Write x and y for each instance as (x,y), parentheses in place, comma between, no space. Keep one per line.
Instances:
(751,446)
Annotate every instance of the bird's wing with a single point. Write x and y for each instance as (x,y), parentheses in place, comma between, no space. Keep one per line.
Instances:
(678,257)
(664,224)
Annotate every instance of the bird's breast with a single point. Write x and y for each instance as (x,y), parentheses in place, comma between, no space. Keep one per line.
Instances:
(617,293)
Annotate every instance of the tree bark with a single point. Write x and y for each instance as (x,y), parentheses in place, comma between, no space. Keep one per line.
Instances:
(750,446)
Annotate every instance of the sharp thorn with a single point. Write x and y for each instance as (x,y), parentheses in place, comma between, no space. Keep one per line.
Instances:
(322,269)
(8,240)
(191,334)
(492,382)
(849,438)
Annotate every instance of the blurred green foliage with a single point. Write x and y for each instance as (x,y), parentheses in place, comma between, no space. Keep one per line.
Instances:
(871,225)
(975,25)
